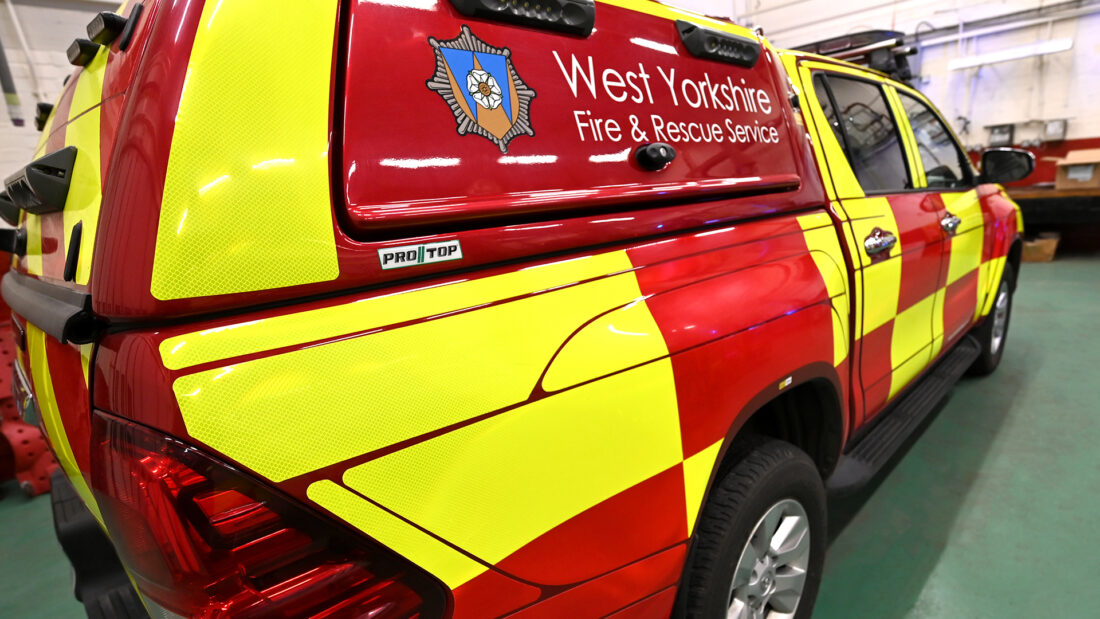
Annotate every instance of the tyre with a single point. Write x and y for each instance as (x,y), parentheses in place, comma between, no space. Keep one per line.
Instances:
(760,541)
(993,332)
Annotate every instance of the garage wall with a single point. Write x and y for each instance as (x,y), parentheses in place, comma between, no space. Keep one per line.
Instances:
(49,26)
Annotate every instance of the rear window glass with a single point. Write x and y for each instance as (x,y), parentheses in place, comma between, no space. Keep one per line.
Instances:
(869,135)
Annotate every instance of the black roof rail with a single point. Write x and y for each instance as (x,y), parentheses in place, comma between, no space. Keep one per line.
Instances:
(881,50)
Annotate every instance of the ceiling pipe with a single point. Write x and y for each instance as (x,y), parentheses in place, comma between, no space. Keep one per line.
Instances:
(36,86)
(7,85)
(1014,25)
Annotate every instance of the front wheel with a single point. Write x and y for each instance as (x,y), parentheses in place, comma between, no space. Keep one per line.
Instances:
(993,332)
(760,543)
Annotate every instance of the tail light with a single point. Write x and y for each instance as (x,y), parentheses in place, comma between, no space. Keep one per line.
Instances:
(204,540)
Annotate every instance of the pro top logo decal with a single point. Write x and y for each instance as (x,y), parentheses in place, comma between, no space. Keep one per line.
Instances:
(480,84)
(424,253)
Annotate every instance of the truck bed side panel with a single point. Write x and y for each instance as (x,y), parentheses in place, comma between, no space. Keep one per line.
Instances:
(520,415)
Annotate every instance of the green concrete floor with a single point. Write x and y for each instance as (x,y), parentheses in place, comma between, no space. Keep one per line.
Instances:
(990,513)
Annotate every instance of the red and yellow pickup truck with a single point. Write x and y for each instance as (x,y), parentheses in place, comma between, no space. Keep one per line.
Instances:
(474,308)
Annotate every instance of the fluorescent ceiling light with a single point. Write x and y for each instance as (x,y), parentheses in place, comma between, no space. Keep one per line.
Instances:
(1013,53)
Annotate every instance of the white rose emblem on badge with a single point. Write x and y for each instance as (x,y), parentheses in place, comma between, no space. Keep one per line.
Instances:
(493,101)
(484,89)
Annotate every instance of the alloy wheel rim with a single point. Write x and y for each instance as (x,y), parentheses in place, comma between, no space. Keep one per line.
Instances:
(770,575)
(1000,318)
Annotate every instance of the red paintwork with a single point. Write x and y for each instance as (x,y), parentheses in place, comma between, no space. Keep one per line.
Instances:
(613,591)
(657,606)
(552,558)
(492,594)
(390,198)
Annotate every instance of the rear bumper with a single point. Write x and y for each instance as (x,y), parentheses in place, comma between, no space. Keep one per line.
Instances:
(100,582)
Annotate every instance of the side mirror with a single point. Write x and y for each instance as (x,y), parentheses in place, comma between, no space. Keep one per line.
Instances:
(1005,165)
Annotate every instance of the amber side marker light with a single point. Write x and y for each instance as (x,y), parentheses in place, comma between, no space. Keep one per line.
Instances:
(703,42)
(42,113)
(203,539)
(105,27)
(82,51)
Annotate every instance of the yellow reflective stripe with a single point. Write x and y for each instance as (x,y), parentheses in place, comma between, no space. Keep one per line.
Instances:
(825,250)
(82,204)
(494,486)
(298,328)
(446,563)
(86,362)
(88,89)
(995,270)
(85,195)
(649,7)
(620,339)
(911,330)
(51,416)
(246,201)
(966,254)
(912,153)
(835,159)
(391,384)
(966,206)
(790,64)
(908,370)
(697,470)
(883,281)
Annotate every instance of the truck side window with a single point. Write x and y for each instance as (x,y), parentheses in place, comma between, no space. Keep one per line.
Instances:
(826,101)
(870,135)
(941,155)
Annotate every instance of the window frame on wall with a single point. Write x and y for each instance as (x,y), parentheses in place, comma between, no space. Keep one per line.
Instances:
(824,76)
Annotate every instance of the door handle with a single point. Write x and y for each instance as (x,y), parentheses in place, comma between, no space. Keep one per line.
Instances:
(879,241)
(950,223)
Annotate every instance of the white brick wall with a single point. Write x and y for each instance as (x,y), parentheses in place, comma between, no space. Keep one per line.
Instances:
(49,25)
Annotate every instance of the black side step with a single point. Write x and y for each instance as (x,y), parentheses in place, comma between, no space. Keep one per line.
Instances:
(867,457)
(100,581)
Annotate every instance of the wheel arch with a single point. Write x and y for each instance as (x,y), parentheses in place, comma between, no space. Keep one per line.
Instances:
(808,413)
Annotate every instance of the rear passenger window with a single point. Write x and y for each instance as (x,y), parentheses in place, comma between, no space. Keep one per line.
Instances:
(940,154)
(869,134)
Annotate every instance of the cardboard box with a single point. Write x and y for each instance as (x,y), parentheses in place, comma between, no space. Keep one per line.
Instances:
(1079,169)
(1041,249)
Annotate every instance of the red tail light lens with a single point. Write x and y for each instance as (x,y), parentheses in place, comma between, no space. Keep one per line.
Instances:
(204,540)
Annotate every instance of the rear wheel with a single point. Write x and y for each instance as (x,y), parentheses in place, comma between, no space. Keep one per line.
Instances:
(993,332)
(760,543)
